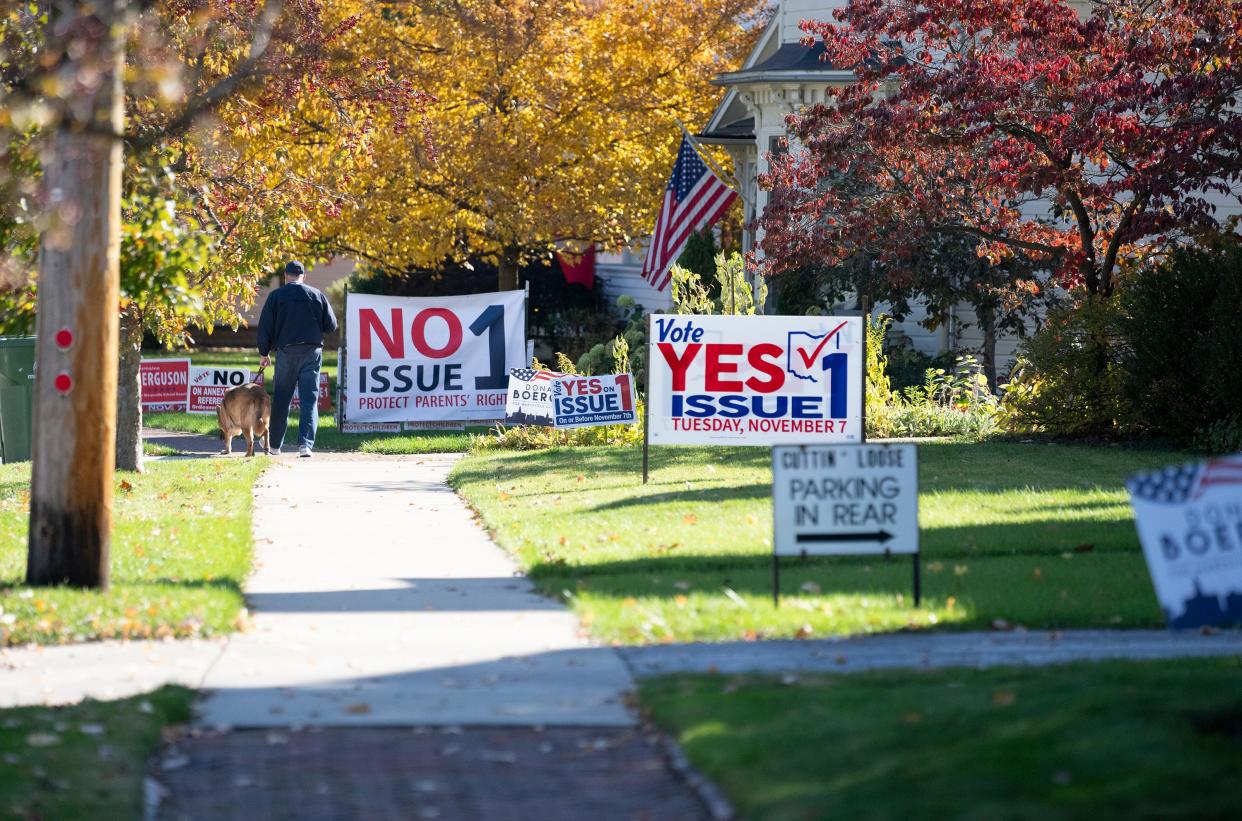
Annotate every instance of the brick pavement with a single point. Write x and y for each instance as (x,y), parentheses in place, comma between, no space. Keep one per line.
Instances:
(446,773)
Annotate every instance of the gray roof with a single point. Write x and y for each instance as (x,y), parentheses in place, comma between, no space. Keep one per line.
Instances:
(795,57)
(743,129)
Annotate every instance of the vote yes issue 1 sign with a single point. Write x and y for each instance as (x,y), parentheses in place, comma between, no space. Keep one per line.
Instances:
(844,499)
(755,380)
(1189,520)
(433,358)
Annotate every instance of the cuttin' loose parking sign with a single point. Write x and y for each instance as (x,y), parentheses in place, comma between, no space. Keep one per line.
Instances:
(1189,519)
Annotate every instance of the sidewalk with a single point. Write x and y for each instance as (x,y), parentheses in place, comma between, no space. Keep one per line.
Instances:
(379,601)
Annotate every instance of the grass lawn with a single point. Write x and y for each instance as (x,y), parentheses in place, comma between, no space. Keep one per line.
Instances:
(84,761)
(1110,740)
(181,548)
(1033,534)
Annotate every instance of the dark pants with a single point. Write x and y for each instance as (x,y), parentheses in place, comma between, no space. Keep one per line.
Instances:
(297,368)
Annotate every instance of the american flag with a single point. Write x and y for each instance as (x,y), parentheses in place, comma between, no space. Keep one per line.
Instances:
(694,199)
(1178,484)
(532,375)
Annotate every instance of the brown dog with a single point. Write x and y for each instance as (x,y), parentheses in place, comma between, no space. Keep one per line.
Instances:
(246,409)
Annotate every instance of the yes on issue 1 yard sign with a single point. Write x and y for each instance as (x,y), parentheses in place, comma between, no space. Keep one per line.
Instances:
(832,500)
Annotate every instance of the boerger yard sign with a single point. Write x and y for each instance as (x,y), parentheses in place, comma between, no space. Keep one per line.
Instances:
(433,358)
(755,380)
(1189,520)
(835,500)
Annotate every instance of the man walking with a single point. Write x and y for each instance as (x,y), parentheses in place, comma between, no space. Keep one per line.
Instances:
(293,323)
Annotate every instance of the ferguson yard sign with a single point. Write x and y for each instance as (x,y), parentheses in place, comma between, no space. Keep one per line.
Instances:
(832,500)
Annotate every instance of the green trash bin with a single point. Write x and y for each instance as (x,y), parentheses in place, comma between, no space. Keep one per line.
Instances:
(17,373)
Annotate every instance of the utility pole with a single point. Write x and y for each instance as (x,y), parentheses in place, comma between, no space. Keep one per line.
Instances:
(74,444)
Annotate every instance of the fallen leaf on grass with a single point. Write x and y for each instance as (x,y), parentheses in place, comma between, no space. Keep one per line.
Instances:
(804,632)
(126,486)
(690,518)
(913,717)
(1003,698)
(504,497)
(629,601)
(1084,548)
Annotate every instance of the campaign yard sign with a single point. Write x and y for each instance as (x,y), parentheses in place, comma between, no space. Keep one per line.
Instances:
(755,380)
(1189,519)
(207,386)
(163,384)
(589,401)
(529,401)
(414,359)
(830,500)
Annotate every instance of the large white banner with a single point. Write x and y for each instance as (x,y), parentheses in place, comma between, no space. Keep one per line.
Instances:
(416,359)
(755,380)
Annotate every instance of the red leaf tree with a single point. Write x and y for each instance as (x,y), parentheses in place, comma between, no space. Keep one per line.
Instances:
(1076,139)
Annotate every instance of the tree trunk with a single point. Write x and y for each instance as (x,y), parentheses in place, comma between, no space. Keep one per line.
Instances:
(128,401)
(987,322)
(507,270)
(75,390)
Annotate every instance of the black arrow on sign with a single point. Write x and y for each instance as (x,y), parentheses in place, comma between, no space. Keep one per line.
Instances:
(869,536)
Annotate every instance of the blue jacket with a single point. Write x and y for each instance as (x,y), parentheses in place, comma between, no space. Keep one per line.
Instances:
(294,314)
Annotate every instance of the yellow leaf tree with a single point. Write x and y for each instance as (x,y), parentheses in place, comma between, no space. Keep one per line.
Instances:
(552,120)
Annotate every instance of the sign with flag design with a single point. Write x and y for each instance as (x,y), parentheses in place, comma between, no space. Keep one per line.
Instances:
(755,380)
(530,397)
(1189,520)
(694,199)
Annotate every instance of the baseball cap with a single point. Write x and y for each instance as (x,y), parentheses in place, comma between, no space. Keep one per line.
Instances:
(294,269)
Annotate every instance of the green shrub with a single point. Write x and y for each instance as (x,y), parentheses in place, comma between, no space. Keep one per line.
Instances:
(1068,380)
(614,356)
(947,403)
(1221,436)
(1181,337)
